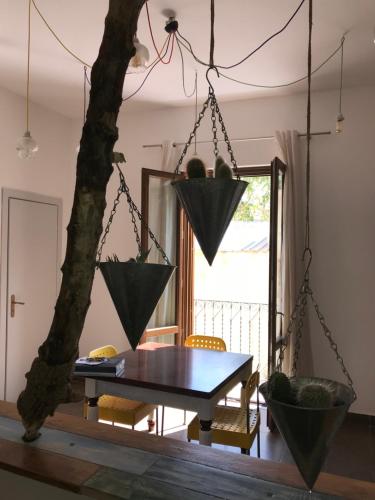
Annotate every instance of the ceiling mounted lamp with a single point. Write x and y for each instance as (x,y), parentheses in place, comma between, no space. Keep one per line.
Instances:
(340,117)
(26,146)
(138,63)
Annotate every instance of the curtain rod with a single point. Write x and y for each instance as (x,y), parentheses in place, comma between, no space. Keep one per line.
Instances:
(265,138)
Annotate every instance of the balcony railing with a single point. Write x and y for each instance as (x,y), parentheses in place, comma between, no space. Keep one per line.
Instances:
(242,325)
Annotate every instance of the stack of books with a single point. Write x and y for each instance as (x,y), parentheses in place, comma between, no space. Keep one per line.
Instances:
(103,367)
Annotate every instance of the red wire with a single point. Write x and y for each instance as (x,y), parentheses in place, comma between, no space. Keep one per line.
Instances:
(153,40)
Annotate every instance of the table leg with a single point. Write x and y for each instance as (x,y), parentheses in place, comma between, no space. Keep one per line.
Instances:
(205,432)
(92,397)
(151,421)
(93,409)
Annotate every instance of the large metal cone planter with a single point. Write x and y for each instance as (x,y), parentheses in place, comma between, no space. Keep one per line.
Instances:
(135,290)
(209,204)
(309,432)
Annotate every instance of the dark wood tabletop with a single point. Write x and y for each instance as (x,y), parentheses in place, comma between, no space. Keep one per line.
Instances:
(182,370)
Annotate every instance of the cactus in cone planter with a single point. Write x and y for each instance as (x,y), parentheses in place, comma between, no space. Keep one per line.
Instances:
(195,169)
(222,169)
(314,395)
(279,387)
(140,259)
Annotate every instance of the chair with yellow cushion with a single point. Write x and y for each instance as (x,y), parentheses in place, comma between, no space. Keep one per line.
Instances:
(199,342)
(205,342)
(234,426)
(120,410)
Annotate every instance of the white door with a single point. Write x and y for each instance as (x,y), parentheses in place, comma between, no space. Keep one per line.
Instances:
(32,262)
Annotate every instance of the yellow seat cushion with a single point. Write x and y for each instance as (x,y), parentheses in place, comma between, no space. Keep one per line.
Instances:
(122,411)
(229,427)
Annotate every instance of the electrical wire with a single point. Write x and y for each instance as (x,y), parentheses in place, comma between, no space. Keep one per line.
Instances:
(151,68)
(59,39)
(253,51)
(183,73)
(288,83)
(153,39)
(28,68)
(281,84)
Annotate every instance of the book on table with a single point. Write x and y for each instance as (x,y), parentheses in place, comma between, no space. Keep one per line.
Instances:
(105,367)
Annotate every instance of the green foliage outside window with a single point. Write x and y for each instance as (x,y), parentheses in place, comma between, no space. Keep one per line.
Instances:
(255,203)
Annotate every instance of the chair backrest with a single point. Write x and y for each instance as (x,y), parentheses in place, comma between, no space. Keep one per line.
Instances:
(205,342)
(107,351)
(251,386)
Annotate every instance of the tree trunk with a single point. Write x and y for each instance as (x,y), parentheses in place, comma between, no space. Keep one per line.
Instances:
(48,381)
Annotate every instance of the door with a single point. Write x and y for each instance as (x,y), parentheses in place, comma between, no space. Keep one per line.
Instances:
(275,314)
(31,230)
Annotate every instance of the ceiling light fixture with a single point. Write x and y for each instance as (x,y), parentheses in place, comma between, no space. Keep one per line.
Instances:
(340,117)
(26,146)
(138,63)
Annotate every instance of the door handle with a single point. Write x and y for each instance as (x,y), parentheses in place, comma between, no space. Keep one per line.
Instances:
(13,303)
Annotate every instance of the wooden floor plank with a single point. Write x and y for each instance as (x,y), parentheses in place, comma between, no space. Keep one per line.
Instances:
(224,484)
(262,469)
(57,470)
(129,486)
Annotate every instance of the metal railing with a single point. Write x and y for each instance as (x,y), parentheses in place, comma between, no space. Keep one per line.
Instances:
(242,325)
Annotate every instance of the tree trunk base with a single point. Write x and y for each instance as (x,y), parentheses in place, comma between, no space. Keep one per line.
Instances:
(51,384)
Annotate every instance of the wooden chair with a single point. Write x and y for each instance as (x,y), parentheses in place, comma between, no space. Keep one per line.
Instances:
(121,410)
(199,342)
(205,342)
(233,426)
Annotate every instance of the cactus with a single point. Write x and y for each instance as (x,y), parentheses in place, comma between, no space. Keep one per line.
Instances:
(222,169)
(279,387)
(195,168)
(314,395)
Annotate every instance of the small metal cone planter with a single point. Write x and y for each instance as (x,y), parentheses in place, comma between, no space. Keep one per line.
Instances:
(135,290)
(309,432)
(210,204)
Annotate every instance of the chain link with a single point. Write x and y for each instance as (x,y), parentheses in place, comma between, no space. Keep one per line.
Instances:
(123,188)
(108,226)
(332,343)
(226,139)
(213,121)
(192,135)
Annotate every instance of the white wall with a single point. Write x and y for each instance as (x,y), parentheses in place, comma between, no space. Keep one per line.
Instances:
(50,172)
(343,194)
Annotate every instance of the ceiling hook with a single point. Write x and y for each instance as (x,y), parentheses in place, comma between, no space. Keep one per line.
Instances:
(208,80)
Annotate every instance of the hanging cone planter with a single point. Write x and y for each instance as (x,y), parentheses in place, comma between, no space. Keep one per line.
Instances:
(308,432)
(134,286)
(307,411)
(209,205)
(210,202)
(135,289)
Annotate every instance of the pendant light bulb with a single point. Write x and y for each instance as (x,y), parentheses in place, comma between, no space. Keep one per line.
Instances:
(138,62)
(26,146)
(339,123)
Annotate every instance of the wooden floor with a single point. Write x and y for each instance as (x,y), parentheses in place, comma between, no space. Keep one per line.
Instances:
(352,454)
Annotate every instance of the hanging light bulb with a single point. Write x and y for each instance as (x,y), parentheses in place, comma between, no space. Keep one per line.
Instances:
(137,63)
(339,123)
(26,146)
(340,117)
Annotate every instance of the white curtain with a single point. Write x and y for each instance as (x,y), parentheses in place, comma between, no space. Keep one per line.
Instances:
(289,145)
(163,221)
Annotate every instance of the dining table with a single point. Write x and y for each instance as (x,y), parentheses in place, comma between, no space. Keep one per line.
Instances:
(179,377)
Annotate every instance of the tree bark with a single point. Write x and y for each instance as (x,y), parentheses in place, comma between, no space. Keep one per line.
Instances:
(48,381)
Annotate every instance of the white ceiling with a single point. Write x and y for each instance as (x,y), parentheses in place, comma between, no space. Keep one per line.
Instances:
(56,78)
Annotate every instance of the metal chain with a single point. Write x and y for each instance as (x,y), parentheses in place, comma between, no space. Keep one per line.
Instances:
(226,139)
(299,332)
(213,120)
(106,230)
(192,135)
(123,188)
(332,343)
(133,208)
